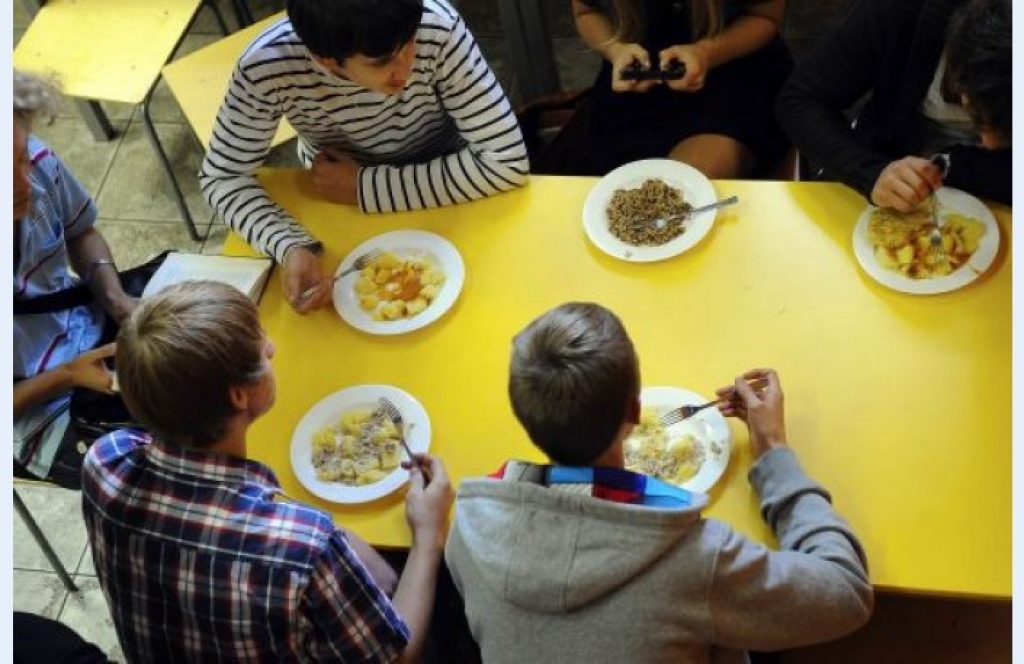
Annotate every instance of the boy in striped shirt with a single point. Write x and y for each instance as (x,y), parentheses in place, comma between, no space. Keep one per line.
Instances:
(395,107)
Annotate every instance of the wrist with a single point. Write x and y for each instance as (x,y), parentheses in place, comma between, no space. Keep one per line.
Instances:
(428,540)
(611,50)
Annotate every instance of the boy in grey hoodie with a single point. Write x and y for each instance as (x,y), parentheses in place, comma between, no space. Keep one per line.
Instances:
(584,561)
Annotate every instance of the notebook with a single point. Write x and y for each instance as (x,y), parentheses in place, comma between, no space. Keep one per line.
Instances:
(248,275)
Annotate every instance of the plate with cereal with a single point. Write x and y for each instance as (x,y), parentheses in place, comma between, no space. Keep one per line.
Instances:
(346,450)
(691,454)
(413,279)
(620,212)
(895,249)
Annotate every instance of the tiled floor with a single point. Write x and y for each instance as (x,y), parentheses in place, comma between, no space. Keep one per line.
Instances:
(139,218)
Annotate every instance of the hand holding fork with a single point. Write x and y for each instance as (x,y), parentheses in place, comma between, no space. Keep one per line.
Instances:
(390,410)
(681,413)
(358,265)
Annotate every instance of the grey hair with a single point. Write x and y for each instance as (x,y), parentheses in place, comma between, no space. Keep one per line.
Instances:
(34,97)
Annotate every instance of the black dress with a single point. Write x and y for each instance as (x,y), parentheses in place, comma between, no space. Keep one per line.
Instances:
(737,100)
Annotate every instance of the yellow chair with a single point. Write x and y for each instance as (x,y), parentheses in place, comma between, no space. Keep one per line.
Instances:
(200,80)
(111,50)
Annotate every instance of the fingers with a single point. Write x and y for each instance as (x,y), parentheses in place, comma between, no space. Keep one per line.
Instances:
(104,352)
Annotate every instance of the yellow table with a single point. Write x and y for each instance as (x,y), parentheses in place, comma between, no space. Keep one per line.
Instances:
(899,404)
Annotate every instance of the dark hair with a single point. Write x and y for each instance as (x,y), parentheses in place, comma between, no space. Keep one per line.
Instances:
(339,29)
(979,62)
(573,377)
(180,353)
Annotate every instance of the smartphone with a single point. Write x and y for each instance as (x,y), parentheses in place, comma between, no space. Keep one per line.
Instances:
(676,70)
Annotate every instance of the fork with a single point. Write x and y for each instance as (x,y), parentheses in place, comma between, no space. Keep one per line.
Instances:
(391,411)
(935,237)
(663,221)
(358,264)
(681,413)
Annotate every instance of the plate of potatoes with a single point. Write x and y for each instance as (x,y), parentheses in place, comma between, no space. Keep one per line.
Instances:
(414,278)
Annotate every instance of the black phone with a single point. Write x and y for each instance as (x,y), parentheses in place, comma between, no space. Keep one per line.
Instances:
(675,71)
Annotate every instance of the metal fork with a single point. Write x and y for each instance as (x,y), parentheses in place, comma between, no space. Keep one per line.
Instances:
(685,412)
(358,264)
(663,221)
(935,237)
(391,411)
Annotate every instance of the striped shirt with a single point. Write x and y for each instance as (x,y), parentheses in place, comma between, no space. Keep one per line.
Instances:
(449,137)
(201,561)
(61,210)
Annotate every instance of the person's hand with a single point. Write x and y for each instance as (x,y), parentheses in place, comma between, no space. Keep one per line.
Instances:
(623,57)
(428,502)
(336,177)
(762,410)
(904,183)
(694,57)
(88,370)
(305,286)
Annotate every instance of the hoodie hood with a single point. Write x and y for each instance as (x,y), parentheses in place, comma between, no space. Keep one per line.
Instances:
(549,551)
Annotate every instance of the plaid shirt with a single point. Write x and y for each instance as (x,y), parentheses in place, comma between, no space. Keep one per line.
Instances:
(200,561)
(617,485)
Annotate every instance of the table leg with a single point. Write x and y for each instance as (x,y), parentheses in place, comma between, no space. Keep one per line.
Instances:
(96,119)
(533,59)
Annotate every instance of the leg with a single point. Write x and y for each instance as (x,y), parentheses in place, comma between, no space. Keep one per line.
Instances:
(41,540)
(39,639)
(179,198)
(96,119)
(716,156)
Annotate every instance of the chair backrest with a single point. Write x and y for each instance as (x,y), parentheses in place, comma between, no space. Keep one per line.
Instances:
(200,80)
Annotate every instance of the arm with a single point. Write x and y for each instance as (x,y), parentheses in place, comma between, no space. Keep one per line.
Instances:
(426,508)
(241,139)
(91,258)
(597,32)
(87,370)
(494,157)
(816,587)
(843,67)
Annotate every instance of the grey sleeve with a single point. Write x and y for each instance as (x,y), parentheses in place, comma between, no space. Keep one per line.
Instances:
(814,589)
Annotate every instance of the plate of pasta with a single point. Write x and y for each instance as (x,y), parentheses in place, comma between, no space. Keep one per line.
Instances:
(412,280)
(895,248)
(618,211)
(692,454)
(345,449)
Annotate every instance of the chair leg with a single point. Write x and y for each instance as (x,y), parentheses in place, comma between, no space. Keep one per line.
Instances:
(242,13)
(96,119)
(212,4)
(179,198)
(41,540)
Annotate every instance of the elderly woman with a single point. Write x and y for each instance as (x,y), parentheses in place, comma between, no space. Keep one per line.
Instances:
(59,346)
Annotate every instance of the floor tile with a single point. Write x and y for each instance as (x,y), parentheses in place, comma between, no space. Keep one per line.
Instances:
(482,17)
(137,187)
(41,593)
(89,160)
(21,17)
(577,63)
(135,242)
(87,613)
(59,515)
(218,234)
(86,567)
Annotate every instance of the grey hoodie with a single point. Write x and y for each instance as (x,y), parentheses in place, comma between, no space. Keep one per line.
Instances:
(550,576)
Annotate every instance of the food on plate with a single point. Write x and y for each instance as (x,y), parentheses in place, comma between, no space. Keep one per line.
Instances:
(392,288)
(631,213)
(902,241)
(650,450)
(362,447)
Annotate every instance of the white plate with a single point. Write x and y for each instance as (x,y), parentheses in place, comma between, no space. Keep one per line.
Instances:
(327,411)
(707,427)
(403,244)
(950,201)
(696,189)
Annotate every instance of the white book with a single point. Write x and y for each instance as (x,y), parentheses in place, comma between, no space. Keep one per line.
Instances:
(248,275)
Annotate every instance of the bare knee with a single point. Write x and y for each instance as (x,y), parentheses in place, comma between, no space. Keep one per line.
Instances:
(717,157)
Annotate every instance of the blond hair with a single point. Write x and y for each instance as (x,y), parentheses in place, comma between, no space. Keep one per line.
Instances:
(34,97)
(705,18)
(573,377)
(179,355)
